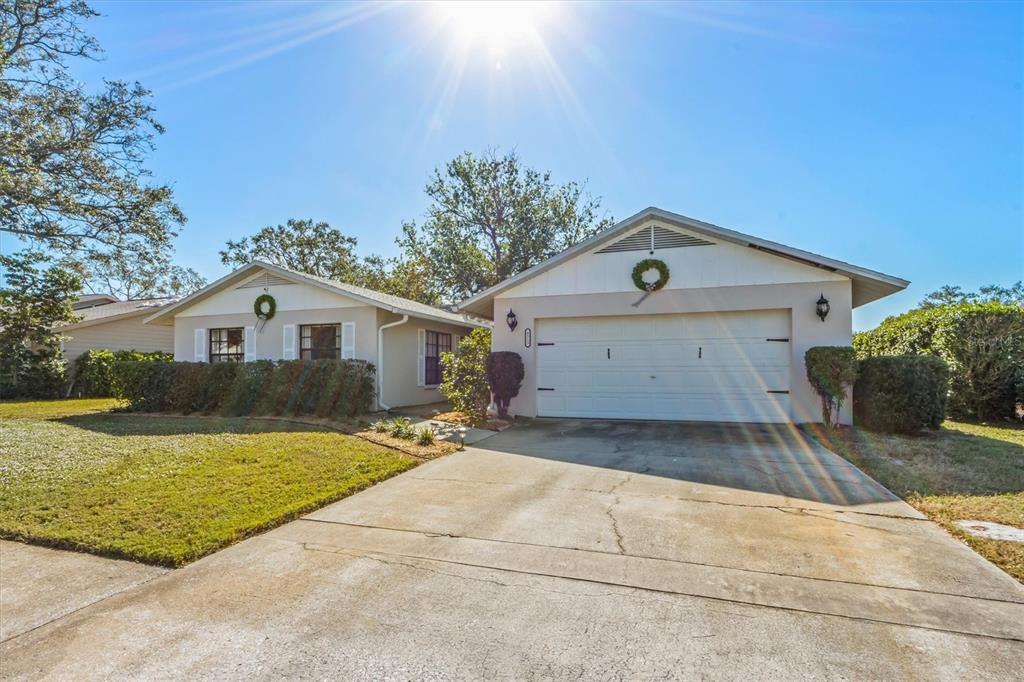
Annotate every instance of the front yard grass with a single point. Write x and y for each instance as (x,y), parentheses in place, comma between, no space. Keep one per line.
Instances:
(167,490)
(963,471)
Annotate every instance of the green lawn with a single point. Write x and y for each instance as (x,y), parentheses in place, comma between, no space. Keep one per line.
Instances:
(963,471)
(167,490)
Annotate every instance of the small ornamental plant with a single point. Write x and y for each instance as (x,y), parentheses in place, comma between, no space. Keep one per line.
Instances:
(425,436)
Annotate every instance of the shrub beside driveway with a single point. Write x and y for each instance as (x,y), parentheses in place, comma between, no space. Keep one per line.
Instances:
(168,490)
(960,472)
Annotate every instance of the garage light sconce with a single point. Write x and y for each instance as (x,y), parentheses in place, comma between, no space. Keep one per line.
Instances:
(821,306)
(511,320)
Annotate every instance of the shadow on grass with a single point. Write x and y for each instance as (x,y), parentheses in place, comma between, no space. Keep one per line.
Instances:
(949,461)
(133,424)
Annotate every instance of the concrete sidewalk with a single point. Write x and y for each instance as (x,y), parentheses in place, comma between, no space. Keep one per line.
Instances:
(40,585)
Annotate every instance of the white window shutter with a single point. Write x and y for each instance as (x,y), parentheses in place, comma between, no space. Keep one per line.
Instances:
(250,344)
(348,340)
(288,352)
(200,354)
(421,357)
(455,342)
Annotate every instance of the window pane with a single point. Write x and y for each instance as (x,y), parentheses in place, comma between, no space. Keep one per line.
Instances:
(227,345)
(320,342)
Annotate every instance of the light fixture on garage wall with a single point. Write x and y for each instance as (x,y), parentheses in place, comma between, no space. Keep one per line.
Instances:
(511,320)
(822,307)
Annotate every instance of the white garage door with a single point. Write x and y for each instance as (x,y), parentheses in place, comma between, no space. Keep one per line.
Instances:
(702,366)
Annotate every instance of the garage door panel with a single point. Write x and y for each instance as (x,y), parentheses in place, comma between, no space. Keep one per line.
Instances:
(705,366)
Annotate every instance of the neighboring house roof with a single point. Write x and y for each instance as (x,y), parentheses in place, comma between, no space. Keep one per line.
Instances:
(395,304)
(868,285)
(118,310)
(90,300)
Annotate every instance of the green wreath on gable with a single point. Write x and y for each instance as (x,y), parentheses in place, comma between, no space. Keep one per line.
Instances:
(648,264)
(271,306)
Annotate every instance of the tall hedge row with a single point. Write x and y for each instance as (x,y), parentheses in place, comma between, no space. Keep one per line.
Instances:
(93,373)
(324,388)
(982,343)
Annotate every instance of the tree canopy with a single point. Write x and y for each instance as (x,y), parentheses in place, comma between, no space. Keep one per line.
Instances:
(129,276)
(992,293)
(492,217)
(72,172)
(35,297)
(316,248)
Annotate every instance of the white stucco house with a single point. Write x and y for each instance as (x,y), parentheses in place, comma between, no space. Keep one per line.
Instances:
(317,318)
(723,340)
(104,322)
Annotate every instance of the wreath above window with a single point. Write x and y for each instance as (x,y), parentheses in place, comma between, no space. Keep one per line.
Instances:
(647,267)
(264,307)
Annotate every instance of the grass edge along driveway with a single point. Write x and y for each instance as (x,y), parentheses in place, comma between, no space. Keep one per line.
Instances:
(168,490)
(960,472)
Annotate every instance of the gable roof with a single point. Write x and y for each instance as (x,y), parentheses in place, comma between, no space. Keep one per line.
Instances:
(109,312)
(395,304)
(868,285)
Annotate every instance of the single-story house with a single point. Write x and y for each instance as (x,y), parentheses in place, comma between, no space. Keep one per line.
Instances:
(721,338)
(314,318)
(106,322)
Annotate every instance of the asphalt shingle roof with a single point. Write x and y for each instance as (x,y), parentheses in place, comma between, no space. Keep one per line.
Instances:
(98,312)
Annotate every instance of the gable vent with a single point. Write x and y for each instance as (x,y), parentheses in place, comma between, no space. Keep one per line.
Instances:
(265,280)
(653,238)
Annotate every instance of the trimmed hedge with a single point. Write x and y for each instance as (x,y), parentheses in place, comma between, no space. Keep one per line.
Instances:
(901,393)
(93,373)
(324,388)
(982,343)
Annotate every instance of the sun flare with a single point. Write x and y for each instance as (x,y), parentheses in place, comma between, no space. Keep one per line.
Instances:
(497,24)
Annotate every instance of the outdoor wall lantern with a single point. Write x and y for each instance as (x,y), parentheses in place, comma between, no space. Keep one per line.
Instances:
(512,321)
(822,307)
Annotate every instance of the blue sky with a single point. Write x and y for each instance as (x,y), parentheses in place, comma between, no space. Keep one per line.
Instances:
(887,135)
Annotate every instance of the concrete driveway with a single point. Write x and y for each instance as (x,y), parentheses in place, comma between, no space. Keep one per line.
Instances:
(573,549)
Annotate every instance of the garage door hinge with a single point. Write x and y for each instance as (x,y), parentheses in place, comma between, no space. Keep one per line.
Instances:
(786,392)
(779,340)
(545,389)
(545,344)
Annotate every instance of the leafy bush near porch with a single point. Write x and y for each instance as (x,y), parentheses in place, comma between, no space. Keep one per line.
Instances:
(831,370)
(464,380)
(901,393)
(325,388)
(94,370)
(982,343)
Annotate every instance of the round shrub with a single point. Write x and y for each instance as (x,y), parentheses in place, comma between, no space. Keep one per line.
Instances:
(901,393)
